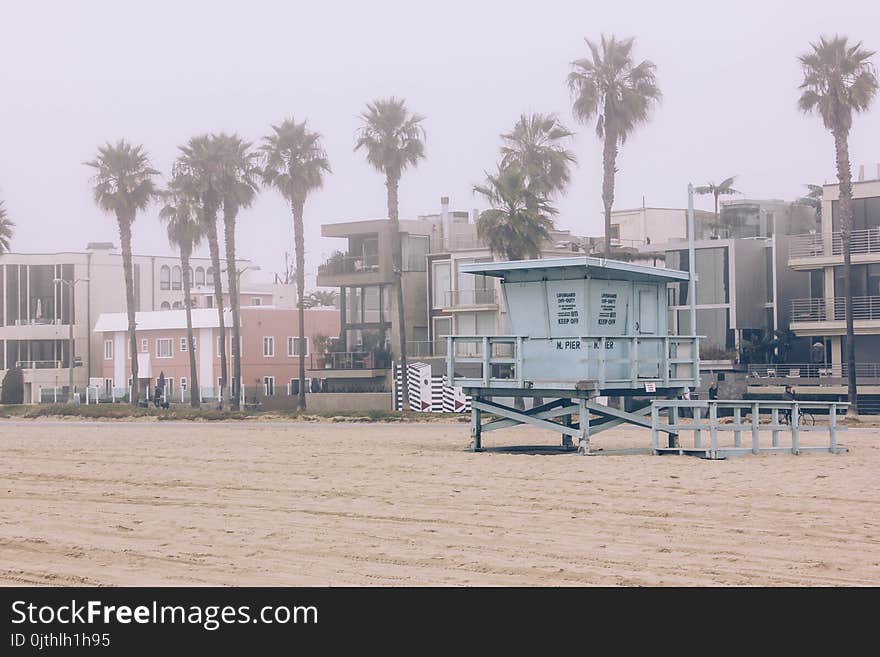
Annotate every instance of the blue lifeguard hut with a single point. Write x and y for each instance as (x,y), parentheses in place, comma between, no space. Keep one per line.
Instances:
(582,328)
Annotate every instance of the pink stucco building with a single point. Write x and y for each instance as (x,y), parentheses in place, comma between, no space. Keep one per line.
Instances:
(269,353)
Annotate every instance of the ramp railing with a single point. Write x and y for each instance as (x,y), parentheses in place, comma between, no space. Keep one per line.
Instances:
(721,428)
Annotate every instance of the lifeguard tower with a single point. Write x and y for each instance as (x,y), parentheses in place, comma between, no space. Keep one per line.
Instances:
(582,328)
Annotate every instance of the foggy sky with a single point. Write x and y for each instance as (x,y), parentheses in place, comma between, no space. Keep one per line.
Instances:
(74,75)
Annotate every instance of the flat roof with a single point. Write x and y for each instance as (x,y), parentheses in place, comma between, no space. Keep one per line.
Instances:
(572,268)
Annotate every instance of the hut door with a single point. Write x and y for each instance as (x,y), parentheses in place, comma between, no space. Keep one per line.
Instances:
(649,352)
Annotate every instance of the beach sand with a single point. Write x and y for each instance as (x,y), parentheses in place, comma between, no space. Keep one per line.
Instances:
(125,503)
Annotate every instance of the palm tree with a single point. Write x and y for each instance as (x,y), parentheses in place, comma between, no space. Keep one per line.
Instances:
(6,226)
(295,163)
(123,186)
(202,161)
(724,188)
(839,81)
(537,145)
(320,298)
(393,140)
(238,190)
(185,231)
(519,220)
(813,199)
(609,85)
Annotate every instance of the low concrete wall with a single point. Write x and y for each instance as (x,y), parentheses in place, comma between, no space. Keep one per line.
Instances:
(332,401)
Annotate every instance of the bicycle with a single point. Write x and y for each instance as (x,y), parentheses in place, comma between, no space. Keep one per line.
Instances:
(804,418)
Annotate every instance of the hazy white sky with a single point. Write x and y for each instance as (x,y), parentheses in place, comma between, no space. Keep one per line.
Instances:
(76,74)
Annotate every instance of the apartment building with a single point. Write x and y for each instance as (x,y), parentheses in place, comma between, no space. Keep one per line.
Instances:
(270,350)
(36,310)
(363,272)
(744,284)
(819,313)
(641,226)
(439,300)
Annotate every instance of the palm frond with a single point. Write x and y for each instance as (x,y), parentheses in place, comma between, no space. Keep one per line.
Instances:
(392,138)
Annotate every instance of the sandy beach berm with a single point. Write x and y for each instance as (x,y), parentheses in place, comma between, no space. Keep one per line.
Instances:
(253,503)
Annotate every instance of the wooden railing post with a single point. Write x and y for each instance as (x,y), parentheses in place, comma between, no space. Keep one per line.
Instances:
(832,427)
(655,432)
(756,421)
(737,420)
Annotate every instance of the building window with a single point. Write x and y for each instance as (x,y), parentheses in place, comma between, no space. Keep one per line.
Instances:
(256,301)
(175,278)
(163,348)
(108,387)
(269,386)
(183,344)
(200,276)
(165,306)
(441,284)
(177,305)
(293,389)
(269,346)
(209,302)
(293,346)
(164,277)
(108,349)
(219,345)
(145,346)
(209,275)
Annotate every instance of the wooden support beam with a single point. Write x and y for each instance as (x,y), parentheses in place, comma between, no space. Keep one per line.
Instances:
(558,411)
(632,418)
(523,417)
(476,429)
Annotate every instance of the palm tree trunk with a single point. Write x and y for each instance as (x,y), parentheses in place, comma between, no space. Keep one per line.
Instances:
(396,258)
(232,276)
(125,238)
(194,392)
(218,298)
(844,177)
(299,246)
(609,159)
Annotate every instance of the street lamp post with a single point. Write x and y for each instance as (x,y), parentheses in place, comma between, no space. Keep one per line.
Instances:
(70,351)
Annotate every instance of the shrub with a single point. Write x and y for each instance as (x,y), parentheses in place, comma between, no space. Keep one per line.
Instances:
(13,387)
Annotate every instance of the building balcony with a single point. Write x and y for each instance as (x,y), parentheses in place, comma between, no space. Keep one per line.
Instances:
(340,269)
(349,364)
(40,364)
(822,249)
(828,316)
(811,373)
(461,299)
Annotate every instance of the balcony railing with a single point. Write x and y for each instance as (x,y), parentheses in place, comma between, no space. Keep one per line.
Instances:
(469,297)
(812,371)
(349,264)
(38,321)
(830,244)
(349,360)
(426,348)
(39,364)
(820,310)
